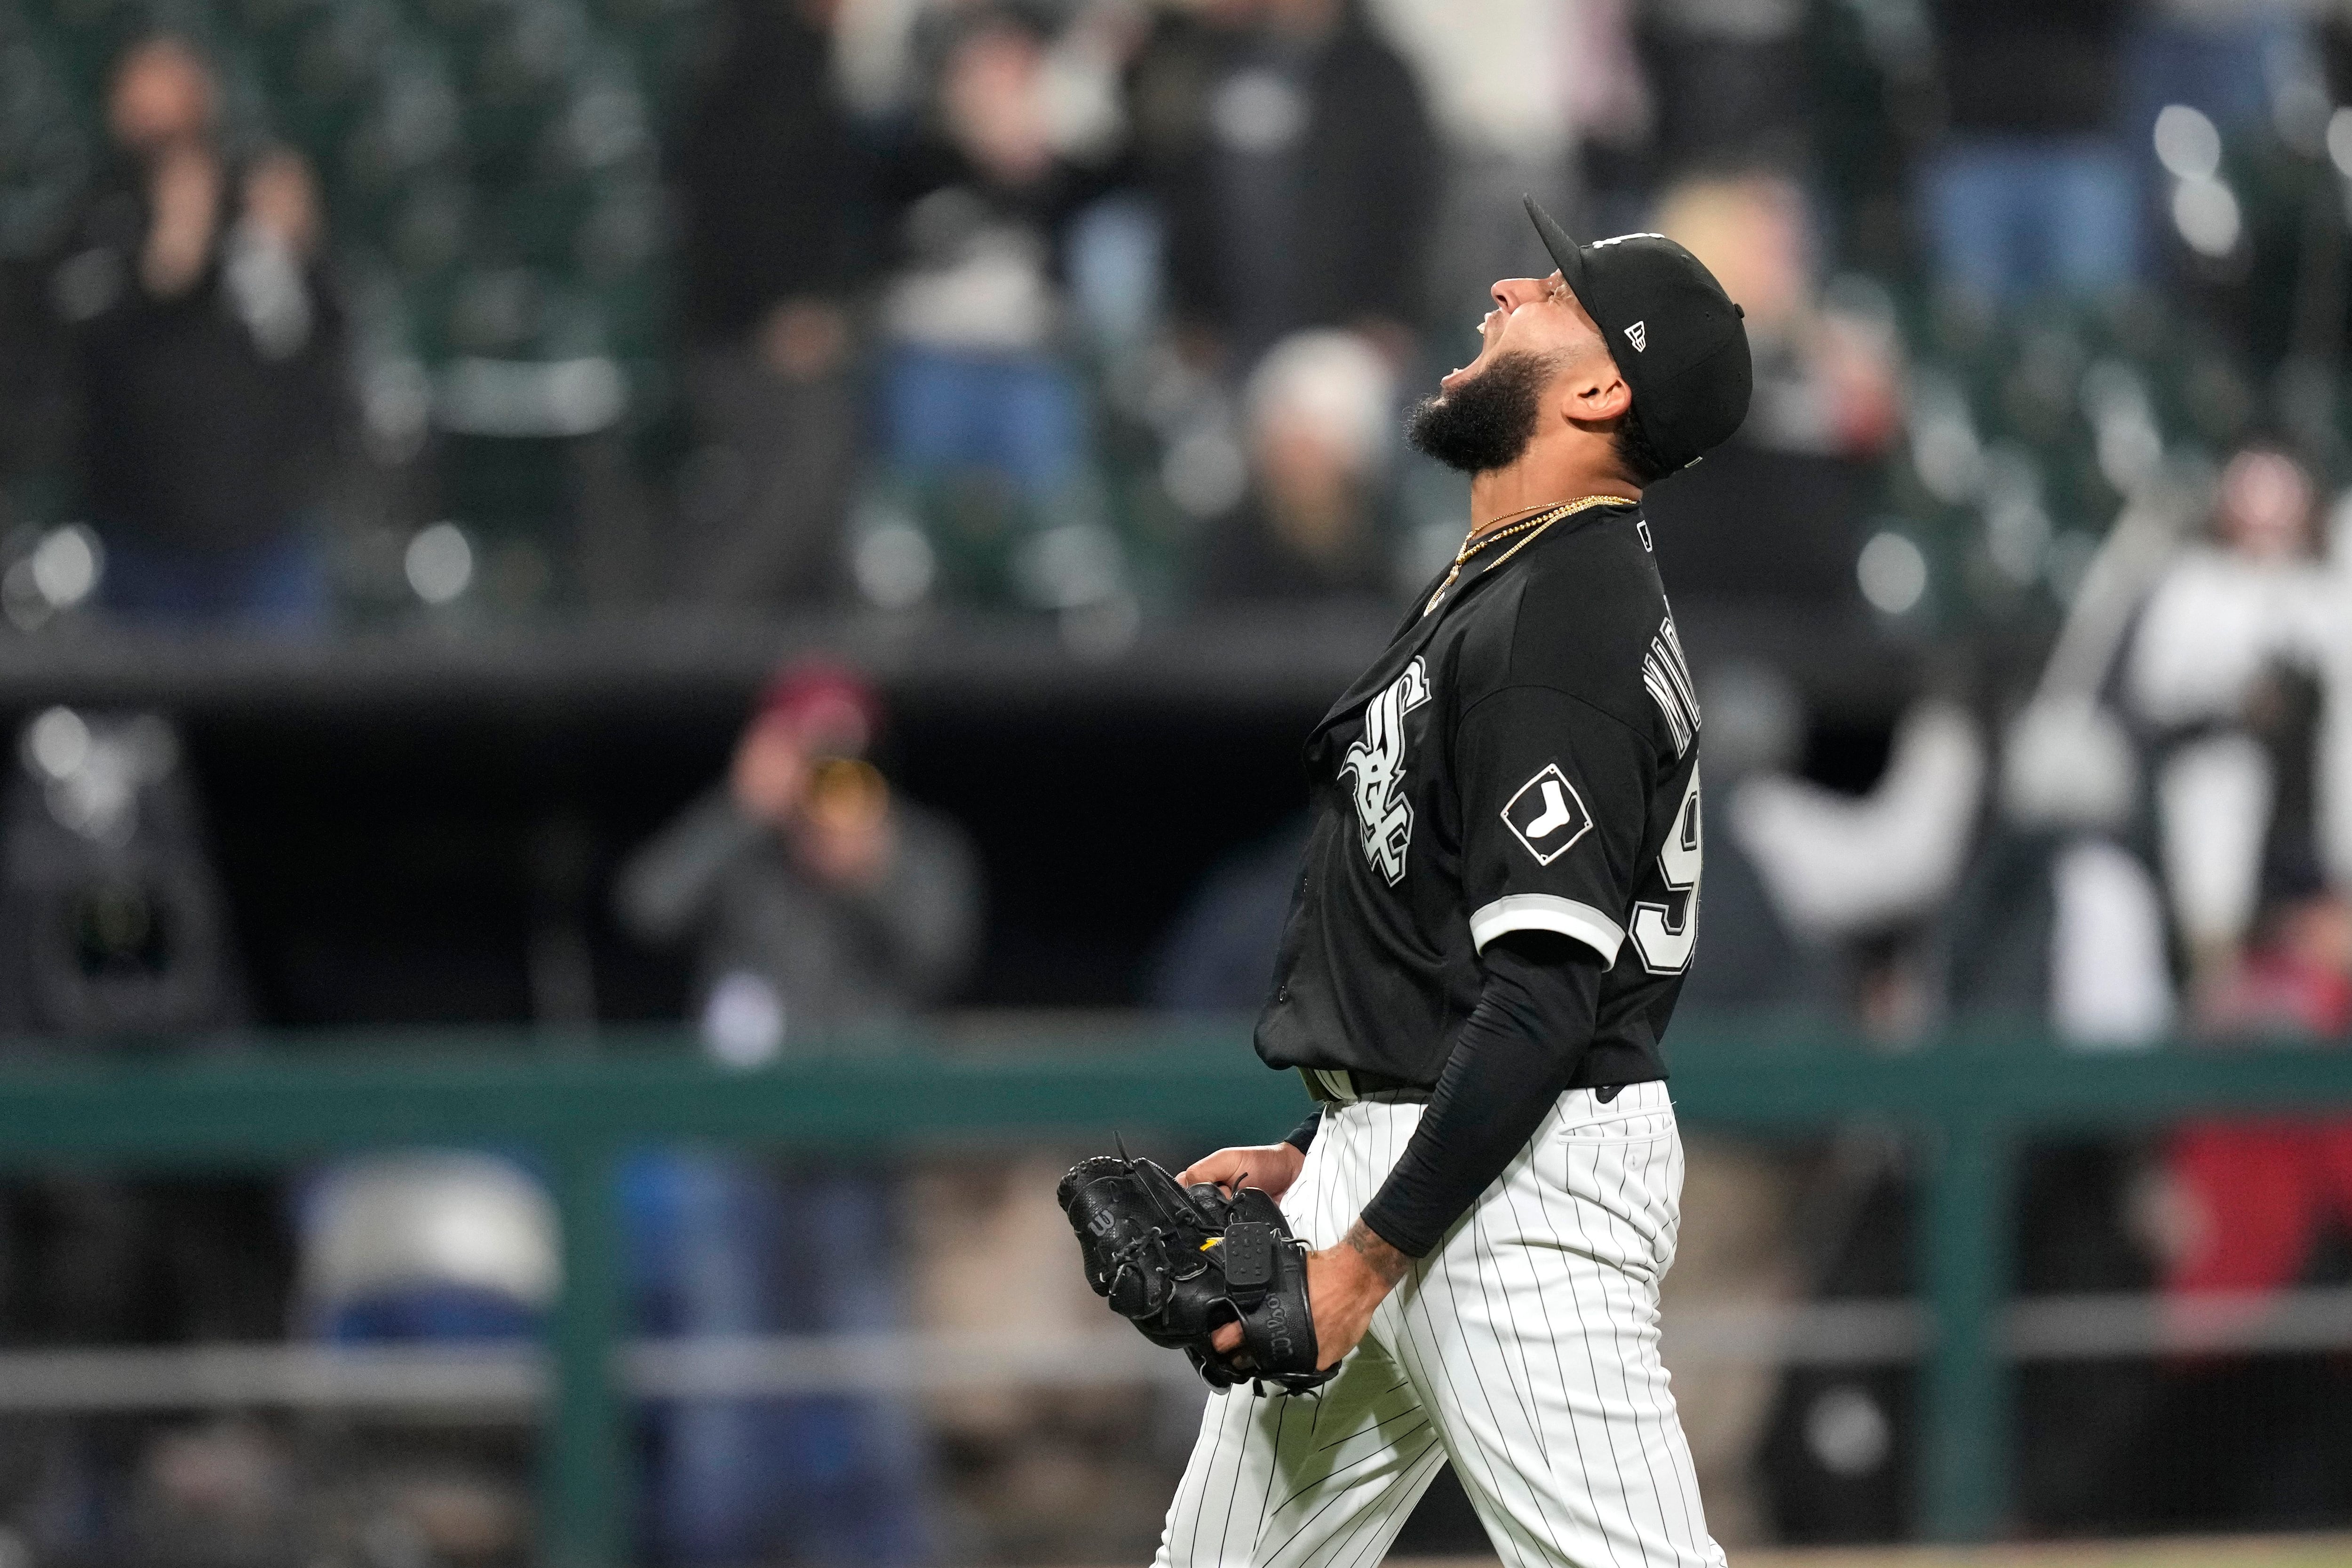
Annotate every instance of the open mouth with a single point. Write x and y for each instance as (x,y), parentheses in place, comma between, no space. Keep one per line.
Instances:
(1486,336)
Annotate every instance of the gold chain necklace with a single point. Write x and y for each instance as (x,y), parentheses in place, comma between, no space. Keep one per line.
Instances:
(1474,542)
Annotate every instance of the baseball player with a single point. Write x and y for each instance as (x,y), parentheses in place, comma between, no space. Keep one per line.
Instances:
(1499,901)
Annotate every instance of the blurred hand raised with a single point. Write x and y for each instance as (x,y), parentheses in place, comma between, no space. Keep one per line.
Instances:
(769,775)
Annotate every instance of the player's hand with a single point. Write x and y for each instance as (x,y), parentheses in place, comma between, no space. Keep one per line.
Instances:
(1345,1285)
(1270,1166)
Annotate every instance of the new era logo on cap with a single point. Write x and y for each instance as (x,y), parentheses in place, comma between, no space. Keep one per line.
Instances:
(1638,334)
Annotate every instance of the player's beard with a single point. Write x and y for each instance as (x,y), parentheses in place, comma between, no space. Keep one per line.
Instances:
(1486,422)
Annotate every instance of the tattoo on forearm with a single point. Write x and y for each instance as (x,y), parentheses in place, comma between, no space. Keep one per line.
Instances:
(1387,1262)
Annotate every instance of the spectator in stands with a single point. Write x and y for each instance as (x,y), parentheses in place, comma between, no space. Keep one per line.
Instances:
(815,898)
(818,904)
(1826,357)
(1322,425)
(2241,652)
(209,354)
(1295,164)
(1733,83)
(1860,876)
(777,202)
(2061,918)
(2242,635)
(974,380)
(2246,1208)
(2032,192)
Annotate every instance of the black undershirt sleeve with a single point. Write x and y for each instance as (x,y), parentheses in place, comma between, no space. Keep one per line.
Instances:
(1302,1137)
(1518,1051)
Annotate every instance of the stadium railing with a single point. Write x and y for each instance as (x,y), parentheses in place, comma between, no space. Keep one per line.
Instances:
(1968,1101)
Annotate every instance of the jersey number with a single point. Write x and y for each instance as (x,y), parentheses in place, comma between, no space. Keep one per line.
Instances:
(1663,940)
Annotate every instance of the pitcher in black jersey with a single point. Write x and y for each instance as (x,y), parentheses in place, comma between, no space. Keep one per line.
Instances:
(1499,901)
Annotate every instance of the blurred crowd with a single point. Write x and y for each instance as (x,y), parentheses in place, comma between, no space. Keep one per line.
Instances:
(2148,845)
(811,903)
(322,313)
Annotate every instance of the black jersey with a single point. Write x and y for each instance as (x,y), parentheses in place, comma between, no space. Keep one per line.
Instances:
(1523,758)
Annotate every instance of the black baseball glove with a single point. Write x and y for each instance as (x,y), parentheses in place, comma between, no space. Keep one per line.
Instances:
(1181,1262)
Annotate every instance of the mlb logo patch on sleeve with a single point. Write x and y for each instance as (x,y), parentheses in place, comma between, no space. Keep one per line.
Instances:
(1547,814)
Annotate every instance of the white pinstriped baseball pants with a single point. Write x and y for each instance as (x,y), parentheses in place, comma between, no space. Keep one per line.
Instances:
(1525,1349)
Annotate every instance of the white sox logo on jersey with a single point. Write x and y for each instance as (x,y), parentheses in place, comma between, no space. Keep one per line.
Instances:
(1377,762)
(1546,816)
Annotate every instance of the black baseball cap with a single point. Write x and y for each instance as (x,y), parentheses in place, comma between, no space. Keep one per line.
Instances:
(1677,339)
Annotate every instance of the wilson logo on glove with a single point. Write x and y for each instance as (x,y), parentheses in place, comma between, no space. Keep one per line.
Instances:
(1180,1263)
